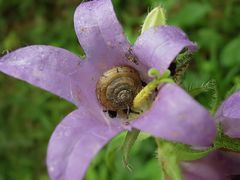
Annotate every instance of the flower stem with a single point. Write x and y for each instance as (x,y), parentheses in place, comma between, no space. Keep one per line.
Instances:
(143,96)
(167,156)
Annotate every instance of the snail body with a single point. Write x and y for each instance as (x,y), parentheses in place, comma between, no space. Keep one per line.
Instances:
(117,88)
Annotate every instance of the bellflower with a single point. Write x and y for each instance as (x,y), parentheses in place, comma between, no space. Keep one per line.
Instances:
(174,115)
(228,115)
(221,164)
(212,167)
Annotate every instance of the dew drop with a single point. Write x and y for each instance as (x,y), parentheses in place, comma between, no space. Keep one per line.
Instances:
(41,66)
(67,132)
(51,169)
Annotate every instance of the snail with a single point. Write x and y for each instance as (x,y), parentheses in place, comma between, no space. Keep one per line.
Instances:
(117,88)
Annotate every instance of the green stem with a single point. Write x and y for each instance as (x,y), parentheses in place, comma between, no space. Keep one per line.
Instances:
(168,160)
(148,90)
(191,154)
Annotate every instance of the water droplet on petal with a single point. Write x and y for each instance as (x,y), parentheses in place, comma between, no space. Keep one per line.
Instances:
(41,66)
(51,169)
(67,132)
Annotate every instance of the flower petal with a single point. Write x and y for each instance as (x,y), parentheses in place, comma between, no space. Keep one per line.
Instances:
(229,115)
(209,168)
(100,33)
(51,68)
(157,47)
(176,116)
(75,142)
(231,162)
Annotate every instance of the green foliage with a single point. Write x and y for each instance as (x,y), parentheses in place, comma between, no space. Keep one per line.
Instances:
(128,144)
(191,14)
(182,63)
(225,142)
(28,115)
(167,156)
(209,90)
(236,86)
(231,53)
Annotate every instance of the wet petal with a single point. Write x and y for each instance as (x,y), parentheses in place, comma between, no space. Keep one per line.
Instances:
(158,47)
(75,142)
(55,70)
(229,115)
(176,116)
(50,68)
(100,33)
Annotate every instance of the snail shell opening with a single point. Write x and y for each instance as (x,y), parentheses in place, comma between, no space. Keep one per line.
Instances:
(117,88)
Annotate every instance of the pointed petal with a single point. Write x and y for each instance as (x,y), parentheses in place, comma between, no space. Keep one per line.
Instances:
(158,47)
(176,116)
(56,70)
(100,33)
(75,142)
(102,38)
(229,115)
(50,68)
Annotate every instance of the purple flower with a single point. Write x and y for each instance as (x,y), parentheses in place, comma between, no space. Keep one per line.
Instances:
(213,167)
(221,164)
(174,115)
(229,115)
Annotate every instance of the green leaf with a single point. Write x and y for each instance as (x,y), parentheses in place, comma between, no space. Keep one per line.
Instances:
(208,88)
(230,55)
(184,152)
(155,18)
(226,142)
(113,148)
(190,14)
(130,140)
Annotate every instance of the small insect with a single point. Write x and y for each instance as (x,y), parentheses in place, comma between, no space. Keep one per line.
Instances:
(131,56)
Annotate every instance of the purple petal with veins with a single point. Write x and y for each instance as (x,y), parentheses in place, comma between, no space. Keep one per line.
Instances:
(158,47)
(176,116)
(75,142)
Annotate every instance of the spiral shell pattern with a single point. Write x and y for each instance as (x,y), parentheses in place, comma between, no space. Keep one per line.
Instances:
(117,88)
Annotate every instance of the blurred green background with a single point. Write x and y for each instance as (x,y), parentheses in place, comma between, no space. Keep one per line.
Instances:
(29,115)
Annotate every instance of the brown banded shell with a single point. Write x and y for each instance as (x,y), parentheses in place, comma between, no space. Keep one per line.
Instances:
(117,88)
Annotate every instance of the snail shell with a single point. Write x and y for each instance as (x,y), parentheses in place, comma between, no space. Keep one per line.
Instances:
(117,88)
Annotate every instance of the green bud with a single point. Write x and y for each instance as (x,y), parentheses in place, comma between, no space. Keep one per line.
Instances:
(153,72)
(155,18)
